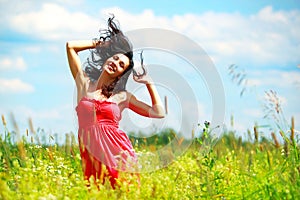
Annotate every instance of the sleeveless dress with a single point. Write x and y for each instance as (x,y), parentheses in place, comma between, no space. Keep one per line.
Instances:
(102,143)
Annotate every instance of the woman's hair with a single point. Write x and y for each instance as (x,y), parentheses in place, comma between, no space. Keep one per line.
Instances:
(113,41)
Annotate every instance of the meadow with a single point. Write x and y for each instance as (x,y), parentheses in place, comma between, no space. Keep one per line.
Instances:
(232,168)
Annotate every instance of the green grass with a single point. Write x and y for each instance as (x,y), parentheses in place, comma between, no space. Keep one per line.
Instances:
(231,169)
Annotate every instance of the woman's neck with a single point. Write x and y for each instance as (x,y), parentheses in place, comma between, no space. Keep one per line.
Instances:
(103,81)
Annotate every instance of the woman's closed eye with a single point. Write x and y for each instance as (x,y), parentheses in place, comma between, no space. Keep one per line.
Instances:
(122,65)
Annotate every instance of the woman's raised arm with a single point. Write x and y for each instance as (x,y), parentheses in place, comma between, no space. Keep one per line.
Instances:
(156,110)
(73,47)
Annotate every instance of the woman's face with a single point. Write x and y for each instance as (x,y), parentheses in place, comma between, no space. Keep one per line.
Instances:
(116,65)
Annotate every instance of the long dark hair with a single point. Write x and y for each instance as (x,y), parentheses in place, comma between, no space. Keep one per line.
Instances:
(113,41)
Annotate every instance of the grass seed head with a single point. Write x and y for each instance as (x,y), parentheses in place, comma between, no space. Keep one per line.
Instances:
(3,120)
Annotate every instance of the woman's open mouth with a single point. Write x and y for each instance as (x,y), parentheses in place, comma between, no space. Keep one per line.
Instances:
(112,66)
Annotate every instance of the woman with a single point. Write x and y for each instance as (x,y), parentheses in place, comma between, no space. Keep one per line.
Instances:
(101,98)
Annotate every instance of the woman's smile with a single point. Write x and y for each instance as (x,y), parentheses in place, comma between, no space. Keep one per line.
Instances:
(112,66)
(117,64)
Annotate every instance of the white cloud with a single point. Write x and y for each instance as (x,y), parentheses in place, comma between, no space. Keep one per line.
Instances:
(39,114)
(145,19)
(8,86)
(233,35)
(70,2)
(253,82)
(256,113)
(54,22)
(265,38)
(33,49)
(17,63)
(274,78)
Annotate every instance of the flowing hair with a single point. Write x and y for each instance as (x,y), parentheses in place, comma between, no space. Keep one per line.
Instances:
(113,41)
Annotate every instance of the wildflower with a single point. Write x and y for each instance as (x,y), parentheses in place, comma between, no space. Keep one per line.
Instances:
(206,123)
(282,152)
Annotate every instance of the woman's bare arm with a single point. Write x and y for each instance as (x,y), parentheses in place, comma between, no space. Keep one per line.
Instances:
(73,47)
(156,110)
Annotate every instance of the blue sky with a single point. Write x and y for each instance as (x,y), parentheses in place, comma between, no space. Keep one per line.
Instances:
(261,37)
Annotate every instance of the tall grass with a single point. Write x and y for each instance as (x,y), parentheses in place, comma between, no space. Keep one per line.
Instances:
(231,169)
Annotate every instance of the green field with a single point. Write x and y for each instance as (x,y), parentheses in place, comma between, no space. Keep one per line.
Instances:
(257,168)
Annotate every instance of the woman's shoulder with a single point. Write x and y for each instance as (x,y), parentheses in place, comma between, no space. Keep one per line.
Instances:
(123,97)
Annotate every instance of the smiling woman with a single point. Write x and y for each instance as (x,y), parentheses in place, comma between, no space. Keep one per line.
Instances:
(101,98)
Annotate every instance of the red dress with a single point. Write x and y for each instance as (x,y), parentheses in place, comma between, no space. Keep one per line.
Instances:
(102,143)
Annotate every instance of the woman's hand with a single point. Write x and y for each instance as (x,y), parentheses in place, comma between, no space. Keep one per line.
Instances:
(101,43)
(145,79)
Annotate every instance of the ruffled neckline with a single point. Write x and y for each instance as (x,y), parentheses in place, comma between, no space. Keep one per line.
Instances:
(94,101)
